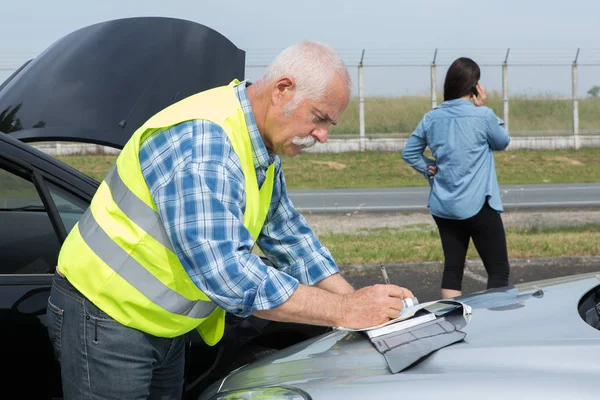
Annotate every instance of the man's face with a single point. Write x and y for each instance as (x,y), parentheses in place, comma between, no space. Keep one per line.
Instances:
(307,123)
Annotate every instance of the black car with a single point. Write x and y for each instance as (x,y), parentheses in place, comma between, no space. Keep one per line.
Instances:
(97,85)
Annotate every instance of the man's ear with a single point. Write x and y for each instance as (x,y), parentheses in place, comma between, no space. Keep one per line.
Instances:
(283,91)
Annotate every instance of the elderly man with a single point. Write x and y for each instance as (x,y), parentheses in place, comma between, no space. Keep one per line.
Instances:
(166,245)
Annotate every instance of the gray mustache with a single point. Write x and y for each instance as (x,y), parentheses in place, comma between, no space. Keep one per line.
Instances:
(305,142)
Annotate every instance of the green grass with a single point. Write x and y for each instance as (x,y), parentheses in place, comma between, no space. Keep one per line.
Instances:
(384,245)
(386,169)
(419,243)
(96,166)
(15,187)
(400,115)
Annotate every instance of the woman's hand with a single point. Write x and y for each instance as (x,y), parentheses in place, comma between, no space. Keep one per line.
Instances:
(431,171)
(481,97)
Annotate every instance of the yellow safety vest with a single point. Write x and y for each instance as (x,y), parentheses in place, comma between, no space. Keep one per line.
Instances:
(119,255)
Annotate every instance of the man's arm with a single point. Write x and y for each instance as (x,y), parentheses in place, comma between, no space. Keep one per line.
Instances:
(198,187)
(200,200)
(335,284)
(365,307)
(291,245)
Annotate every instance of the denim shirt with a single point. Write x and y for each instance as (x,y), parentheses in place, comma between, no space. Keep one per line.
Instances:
(462,138)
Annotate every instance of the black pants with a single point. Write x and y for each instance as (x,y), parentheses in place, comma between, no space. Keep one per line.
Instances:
(488,235)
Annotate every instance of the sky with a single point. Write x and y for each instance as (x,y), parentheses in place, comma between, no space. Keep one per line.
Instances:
(392,32)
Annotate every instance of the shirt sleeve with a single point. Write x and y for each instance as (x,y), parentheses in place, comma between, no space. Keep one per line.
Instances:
(198,186)
(497,136)
(288,241)
(412,154)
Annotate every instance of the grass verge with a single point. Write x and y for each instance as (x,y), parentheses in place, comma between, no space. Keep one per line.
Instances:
(386,169)
(385,245)
(526,114)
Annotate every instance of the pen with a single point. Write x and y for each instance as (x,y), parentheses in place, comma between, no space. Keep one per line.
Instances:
(385,275)
(407,303)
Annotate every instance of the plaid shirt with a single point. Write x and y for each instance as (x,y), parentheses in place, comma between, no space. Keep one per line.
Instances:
(198,185)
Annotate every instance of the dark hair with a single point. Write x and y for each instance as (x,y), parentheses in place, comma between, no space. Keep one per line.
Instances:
(461,78)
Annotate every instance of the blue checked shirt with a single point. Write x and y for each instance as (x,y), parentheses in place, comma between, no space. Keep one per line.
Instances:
(198,185)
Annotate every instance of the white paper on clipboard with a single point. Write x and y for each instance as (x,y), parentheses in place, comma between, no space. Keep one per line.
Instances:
(438,307)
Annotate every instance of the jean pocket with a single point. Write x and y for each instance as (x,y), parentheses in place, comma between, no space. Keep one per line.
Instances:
(55,322)
(96,313)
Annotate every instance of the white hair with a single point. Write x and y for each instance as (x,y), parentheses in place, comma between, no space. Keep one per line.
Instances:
(312,65)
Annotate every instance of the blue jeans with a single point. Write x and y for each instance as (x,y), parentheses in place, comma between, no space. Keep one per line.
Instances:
(102,359)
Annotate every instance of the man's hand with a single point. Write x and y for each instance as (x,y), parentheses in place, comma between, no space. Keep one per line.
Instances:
(481,97)
(373,305)
(363,308)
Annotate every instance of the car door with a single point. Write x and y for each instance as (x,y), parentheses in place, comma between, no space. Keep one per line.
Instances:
(37,209)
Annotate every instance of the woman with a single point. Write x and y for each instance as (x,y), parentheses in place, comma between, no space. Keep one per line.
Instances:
(464,199)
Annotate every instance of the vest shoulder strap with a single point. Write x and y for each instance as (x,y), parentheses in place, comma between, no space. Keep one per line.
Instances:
(214,105)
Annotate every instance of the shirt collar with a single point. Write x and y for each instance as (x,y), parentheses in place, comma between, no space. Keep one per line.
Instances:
(260,156)
(455,102)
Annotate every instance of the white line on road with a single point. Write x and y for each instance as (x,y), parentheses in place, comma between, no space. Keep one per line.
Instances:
(412,207)
(475,276)
(426,190)
(330,193)
(551,189)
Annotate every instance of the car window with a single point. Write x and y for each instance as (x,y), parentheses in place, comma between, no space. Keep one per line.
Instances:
(70,208)
(28,242)
(16,192)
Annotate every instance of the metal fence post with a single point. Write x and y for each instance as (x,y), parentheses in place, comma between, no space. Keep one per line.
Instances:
(361,103)
(505,90)
(433,83)
(575,102)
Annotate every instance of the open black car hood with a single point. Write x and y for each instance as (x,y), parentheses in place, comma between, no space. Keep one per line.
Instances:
(100,83)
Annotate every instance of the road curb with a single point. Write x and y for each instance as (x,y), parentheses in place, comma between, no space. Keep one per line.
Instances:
(424,279)
(574,261)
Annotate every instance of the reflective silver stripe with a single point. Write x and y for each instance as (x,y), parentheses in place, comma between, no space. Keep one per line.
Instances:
(138,276)
(135,209)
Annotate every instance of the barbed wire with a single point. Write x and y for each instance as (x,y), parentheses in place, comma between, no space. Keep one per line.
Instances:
(444,57)
(403,57)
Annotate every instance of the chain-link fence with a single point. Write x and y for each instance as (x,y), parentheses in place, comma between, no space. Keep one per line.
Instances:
(538,92)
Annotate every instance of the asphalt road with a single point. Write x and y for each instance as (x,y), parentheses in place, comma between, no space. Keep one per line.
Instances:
(424,278)
(414,199)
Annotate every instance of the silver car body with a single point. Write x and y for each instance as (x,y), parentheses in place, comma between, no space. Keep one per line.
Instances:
(526,342)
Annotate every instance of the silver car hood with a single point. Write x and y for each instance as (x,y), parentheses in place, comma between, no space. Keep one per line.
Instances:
(530,343)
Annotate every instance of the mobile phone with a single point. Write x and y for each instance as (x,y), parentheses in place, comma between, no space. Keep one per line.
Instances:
(475,92)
